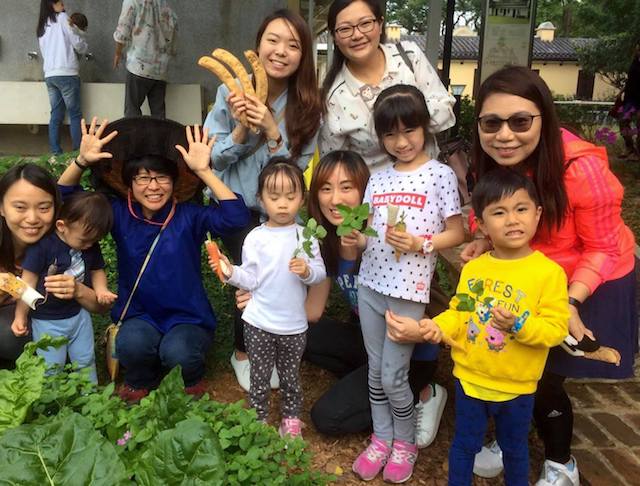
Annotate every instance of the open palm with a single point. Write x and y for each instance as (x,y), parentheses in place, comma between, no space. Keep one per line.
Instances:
(198,157)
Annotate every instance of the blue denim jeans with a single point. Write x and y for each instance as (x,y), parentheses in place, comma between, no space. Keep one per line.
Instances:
(145,352)
(513,420)
(64,94)
(79,330)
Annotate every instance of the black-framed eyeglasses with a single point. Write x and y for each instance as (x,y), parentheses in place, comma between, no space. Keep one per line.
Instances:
(145,180)
(518,122)
(363,26)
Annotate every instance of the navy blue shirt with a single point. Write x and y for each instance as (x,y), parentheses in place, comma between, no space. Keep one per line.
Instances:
(171,291)
(53,256)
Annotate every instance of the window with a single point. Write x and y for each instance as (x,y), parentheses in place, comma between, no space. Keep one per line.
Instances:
(584,90)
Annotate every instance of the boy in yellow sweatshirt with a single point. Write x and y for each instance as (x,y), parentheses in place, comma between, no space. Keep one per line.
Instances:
(509,309)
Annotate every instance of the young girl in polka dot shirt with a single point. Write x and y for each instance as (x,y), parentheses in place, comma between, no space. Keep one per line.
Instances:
(397,267)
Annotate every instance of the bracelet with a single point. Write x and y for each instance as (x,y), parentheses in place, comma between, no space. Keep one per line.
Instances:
(574,302)
(81,166)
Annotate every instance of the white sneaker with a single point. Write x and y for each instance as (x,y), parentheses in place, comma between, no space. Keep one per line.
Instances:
(556,474)
(242,369)
(428,415)
(488,462)
(275,379)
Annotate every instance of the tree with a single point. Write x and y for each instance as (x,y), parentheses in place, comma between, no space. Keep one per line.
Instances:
(413,14)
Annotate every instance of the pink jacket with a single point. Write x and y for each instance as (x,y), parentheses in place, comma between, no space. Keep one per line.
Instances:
(593,245)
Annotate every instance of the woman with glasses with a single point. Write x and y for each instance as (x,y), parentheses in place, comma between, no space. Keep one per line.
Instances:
(581,229)
(167,319)
(363,65)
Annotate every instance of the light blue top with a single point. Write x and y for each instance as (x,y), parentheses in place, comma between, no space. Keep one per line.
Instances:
(235,164)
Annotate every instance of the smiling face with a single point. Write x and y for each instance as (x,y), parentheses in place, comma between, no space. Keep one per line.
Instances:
(511,223)
(28,212)
(280,49)
(153,195)
(506,147)
(339,188)
(406,145)
(281,200)
(359,46)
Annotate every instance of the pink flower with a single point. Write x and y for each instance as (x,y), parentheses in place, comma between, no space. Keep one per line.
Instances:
(125,438)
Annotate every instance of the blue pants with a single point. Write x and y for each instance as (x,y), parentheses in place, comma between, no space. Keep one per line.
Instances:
(145,352)
(64,94)
(79,330)
(512,419)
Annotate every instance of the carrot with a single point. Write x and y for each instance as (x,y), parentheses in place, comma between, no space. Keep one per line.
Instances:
(214,253)
(399,226)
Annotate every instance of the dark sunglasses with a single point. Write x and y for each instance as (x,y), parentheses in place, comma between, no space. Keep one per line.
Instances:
(518,122)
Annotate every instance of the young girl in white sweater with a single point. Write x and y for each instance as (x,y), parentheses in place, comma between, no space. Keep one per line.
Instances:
(275,327)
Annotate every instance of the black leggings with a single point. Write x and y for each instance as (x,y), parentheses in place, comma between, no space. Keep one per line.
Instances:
(344,408)
(553,416)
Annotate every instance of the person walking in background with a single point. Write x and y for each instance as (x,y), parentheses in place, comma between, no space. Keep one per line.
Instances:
(147,31)
(59,45)
(630,109)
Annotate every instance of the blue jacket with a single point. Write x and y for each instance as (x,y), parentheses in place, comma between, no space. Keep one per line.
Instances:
(171,291)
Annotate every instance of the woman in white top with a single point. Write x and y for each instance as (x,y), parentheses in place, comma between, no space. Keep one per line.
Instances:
(60,45)
(363,65)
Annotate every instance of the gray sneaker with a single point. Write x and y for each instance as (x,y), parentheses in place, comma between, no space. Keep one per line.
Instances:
(556,474)
(488,462)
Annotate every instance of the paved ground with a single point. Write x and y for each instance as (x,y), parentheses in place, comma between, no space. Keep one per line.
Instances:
(18,139)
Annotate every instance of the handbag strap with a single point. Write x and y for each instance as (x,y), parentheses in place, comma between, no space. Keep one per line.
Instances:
(404,56)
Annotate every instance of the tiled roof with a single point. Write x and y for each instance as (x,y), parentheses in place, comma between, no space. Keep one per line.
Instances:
(559,49)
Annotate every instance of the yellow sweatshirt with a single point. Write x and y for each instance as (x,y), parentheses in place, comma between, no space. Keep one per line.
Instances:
(534,288)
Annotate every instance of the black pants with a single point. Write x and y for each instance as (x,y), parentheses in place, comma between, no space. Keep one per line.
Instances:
(344,408)
(553,416)
(233,245)
(10,346)
(137,89)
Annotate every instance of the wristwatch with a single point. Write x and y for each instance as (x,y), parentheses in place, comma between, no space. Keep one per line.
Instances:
(273,145)
(575,302)
(427,245)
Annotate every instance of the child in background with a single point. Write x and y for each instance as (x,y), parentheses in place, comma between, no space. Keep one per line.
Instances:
(509,309)
(79,21)
(72,249)
(275,326)
(426,193)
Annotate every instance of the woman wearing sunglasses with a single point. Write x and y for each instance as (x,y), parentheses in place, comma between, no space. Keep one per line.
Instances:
(581,229)
(363,65)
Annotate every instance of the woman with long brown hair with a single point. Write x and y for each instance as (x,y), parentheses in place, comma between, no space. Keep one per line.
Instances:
(287,124)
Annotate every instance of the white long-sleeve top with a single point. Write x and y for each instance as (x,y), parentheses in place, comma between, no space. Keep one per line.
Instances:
(60,45)
(277,294)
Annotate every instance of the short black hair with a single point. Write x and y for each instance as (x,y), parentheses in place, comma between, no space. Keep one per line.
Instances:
(499,183)
(281,166)
(90,209)
(79,20)
(154,163)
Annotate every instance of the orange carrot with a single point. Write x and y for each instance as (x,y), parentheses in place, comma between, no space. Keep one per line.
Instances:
(214,254)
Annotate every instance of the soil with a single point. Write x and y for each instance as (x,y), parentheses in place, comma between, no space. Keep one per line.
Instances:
(330,453)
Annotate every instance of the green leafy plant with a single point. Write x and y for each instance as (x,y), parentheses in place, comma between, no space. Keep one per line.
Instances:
(467,303)
(311,231)
(354,219)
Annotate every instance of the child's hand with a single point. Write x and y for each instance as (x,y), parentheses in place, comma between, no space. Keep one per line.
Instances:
(242,298)
(228,271)
(300,267)
(105,297)
(430,331)
(355,238)
(19,327)
(402,241)
(503,320)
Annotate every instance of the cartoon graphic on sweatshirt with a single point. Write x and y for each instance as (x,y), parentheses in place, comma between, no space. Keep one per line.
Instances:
(495,338)
(473,331)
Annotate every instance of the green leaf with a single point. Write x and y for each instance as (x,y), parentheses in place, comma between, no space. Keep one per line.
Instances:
(368,231)
(321,233)
(307,233)
(343,230)
(466,303)
(343,210)
(187,454)
(65,450)
(478,287)
(312,224)
(363,211)
(307,248)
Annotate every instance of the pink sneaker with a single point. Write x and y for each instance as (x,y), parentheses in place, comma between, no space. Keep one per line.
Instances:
(400,466)
(371,461)
(291,426)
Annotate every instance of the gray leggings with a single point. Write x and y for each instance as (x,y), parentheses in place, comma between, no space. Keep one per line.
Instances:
(390,395)
(265,349)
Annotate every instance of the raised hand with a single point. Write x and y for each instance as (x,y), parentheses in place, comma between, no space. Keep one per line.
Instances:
(92,142)
(198,157)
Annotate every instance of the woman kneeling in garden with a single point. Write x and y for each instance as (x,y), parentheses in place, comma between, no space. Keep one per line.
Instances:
(169,320)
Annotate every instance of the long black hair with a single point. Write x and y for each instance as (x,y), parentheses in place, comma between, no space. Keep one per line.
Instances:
(546,162)
(36,176)
(338,58)
(47,12)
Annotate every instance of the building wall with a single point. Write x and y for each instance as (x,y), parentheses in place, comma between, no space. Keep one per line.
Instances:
(202,26)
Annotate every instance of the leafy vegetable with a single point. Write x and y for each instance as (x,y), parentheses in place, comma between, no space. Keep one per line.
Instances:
(65,450)
(354,219)
(309,232)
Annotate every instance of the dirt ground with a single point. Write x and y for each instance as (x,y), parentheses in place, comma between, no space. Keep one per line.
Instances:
(339,452)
